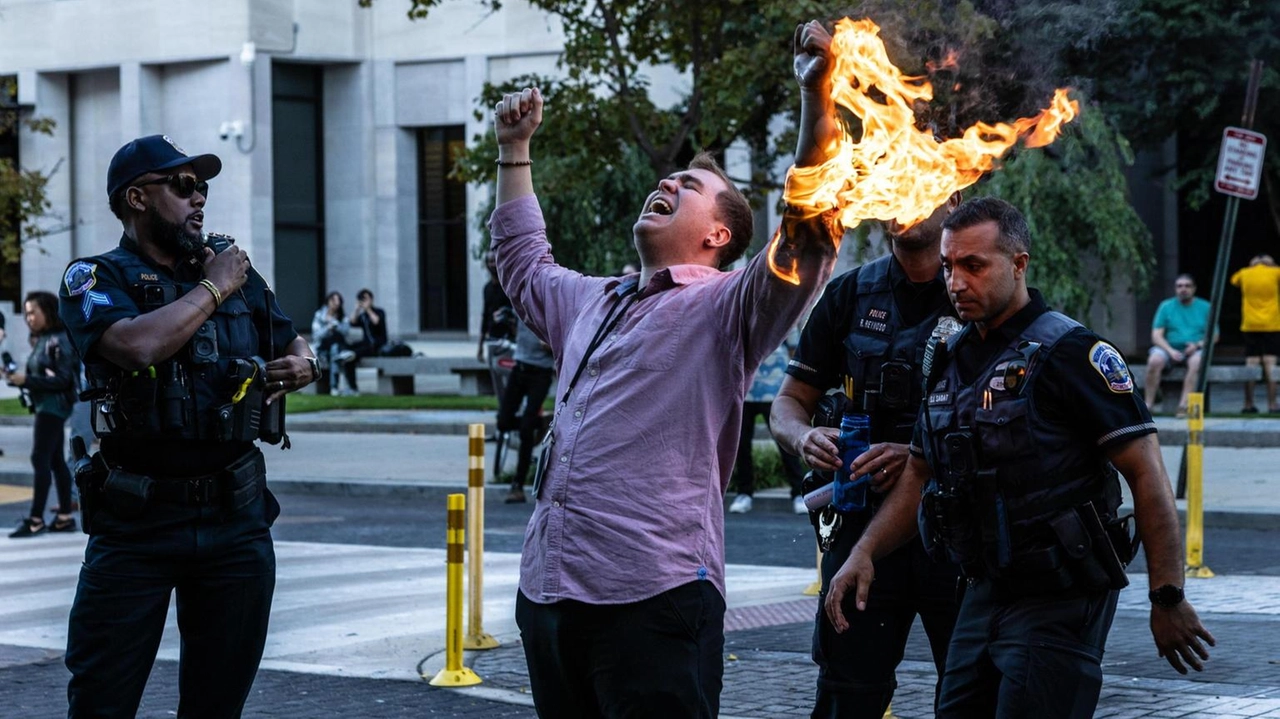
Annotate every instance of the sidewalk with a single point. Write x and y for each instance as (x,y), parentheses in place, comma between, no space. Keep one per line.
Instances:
(404,453)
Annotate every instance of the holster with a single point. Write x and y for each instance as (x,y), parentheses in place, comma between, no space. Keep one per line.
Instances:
(90,473)
(126,494)
(1093,559)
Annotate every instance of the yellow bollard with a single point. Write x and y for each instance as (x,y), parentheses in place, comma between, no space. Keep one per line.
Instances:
(454,674)
(1195,487)
(476,637)
(815,589)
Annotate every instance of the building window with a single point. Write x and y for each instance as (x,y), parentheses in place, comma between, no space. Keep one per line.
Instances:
(442,231)
(297,157)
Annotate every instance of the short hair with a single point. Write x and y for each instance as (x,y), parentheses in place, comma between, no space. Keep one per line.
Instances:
(732,208)
(1015,236)
(48,304)
(363,293)
(1185,276)
(116,202)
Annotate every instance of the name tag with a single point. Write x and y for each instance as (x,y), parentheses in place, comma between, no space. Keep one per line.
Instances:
(940,398)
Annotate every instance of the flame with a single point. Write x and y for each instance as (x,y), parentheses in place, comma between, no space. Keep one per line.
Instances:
(788,274)
(950,62)
(895,171)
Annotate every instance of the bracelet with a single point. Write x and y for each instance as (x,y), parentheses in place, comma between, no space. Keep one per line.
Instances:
(217,296)
(514,163)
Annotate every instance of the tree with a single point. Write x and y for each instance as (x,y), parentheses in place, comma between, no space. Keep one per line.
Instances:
(605,134)
(23,198)
(1179,67)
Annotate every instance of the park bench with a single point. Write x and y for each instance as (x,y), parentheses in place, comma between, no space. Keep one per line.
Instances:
(1171,380)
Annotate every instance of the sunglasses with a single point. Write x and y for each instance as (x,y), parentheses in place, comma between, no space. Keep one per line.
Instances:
(184,186)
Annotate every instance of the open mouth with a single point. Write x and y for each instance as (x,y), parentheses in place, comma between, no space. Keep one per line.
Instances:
(661,207)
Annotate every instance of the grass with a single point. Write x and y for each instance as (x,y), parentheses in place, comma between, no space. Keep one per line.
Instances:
(299,403)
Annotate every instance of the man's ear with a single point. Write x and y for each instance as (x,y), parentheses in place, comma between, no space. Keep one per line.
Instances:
(718,237)
(1020,261)
(133,197)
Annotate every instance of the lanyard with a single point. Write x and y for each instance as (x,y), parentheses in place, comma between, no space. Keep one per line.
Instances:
(619,308)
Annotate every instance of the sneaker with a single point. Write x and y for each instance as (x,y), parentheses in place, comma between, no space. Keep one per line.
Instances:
(741,504)
(63,525)
(797,505)
(345,356)
(515,496)
(30,527)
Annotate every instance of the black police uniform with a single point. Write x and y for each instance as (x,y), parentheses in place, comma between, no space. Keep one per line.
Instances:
(185,504)
(1016,430)
(872,325)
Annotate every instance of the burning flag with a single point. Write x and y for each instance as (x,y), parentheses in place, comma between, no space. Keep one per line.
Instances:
(896,171)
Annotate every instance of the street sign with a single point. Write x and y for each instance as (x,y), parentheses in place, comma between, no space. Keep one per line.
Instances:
(1240,162)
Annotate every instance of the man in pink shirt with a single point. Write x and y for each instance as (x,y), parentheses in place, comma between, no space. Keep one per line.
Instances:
(621,603)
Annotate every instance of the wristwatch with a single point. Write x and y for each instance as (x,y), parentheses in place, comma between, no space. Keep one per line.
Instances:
(315,368)
(1166,596)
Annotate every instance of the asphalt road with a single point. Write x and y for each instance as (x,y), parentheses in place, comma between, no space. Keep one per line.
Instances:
(760,537)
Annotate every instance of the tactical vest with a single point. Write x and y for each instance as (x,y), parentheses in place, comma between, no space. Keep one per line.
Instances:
(210,389)
(1011,473)
(883,356)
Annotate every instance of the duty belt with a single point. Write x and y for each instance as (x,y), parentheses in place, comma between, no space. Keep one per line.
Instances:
(209,488)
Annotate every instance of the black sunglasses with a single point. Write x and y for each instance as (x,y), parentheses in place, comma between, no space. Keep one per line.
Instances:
(184,186)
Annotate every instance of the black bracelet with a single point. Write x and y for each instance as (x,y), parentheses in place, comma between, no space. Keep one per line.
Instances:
(514,163)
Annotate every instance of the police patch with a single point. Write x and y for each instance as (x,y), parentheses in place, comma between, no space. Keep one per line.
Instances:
(80,277)
(1107,360)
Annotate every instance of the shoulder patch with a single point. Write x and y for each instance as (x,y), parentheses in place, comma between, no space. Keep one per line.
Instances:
(80,277)
(1108,362)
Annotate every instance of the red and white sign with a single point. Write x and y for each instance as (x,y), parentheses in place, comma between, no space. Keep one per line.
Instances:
(1240,162)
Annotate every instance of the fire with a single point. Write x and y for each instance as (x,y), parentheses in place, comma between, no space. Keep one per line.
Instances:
(788,274)
(895,171)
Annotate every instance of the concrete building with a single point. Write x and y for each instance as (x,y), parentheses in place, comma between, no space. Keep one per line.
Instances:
(335,125)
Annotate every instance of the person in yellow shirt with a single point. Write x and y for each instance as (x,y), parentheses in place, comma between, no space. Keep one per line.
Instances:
(1259,285)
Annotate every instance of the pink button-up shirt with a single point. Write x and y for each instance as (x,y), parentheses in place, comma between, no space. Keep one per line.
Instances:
(632,502)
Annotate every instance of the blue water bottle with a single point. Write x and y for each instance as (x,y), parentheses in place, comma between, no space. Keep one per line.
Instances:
(850,493)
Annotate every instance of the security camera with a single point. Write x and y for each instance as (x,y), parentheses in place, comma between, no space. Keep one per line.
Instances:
(230,129)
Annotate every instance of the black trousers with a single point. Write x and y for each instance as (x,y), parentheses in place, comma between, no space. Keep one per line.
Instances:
(744,466)
(222,568)
(1027,657)
(528,384)
(661,657)
(857,669)
(48,463)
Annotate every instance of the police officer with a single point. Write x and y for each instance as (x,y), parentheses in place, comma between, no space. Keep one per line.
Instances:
(1028,417)
(871,326)
(187,357)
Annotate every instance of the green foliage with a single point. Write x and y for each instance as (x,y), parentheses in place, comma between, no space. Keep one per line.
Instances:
(604,134)
(1180,66)
(23,193)
(1082,225)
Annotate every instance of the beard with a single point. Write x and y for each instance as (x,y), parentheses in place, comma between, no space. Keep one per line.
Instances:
(172,237)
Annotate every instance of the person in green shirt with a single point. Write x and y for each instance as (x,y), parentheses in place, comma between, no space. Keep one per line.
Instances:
(1178,334)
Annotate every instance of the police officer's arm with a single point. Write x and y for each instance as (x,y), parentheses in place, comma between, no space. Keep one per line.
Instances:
(790,418)
(292,370)
(891,527)
(142,341)
(1177,630)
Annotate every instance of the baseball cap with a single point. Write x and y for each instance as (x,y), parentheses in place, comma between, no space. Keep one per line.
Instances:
(155,153)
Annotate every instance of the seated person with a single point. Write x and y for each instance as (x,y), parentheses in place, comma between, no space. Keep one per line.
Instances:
(329,327)
(1178,335)
(372,321)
